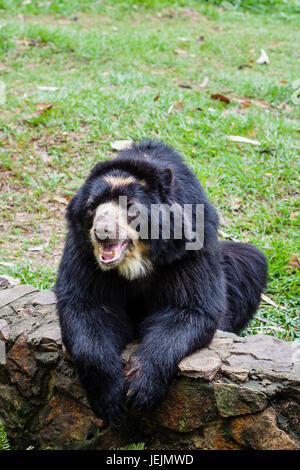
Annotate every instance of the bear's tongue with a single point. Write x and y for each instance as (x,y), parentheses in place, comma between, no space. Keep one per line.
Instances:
(109,252)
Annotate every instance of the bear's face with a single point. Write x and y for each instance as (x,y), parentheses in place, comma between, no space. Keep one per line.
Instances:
(111,207)
(115,239)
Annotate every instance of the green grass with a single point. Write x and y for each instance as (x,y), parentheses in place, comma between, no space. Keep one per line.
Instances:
(4,443)
(110,61)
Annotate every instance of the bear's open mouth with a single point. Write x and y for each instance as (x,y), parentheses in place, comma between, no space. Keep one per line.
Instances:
(111,253)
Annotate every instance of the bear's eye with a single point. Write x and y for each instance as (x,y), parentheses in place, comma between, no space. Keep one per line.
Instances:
(91,206)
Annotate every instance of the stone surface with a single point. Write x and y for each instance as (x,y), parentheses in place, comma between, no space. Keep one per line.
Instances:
(47,297)
(239,393)
(4,330)
(233,400)
(260,431)
(203,364)
(188,405)
(10,295)
(238,374)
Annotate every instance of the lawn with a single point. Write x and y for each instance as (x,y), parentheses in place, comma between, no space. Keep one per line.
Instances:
(78,75)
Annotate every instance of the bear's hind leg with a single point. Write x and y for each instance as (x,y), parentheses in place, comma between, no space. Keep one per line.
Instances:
(246,272)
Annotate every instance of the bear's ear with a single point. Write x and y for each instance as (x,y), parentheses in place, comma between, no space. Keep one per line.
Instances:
(98,168)
(167,179)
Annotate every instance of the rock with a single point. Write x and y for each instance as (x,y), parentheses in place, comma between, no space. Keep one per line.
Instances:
(47,297)
(46,336)
(10,295)
(233,400)
(2,353)
(21,364)
(189,405)
(267,354)
(8,281)
(238,393)
(260,432)
(202,364)
(4,330)
(215,437)
(238,374)
(4,284)
(64,423)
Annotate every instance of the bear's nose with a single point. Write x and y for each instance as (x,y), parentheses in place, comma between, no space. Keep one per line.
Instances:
(104,228)
(104,232)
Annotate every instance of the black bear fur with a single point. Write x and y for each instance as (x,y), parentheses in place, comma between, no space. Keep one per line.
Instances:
(172,311)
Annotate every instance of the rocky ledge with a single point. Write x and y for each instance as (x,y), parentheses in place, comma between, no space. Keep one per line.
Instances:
(239,393)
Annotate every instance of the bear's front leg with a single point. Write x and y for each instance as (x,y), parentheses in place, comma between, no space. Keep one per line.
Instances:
(95,338)
(169,336)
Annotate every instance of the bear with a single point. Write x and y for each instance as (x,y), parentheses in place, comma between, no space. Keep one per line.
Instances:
(170,293)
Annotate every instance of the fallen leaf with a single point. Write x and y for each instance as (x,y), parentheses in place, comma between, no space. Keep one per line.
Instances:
(266,321)
(41,108)
(294,263)
(246,102)
(284,106)
(218,96)
(183,52)
(267,299)
(251,132)
(48,88)
(263,58)
(226,90)
(235,110)
(61,200)
(236,203)
(237,138)
(270,150)
(175,106)
(157,97)
(180,52)
(37,248)
(121,144)
(6,263)
(227,236)
(243,66)
(204,82)
(184,85)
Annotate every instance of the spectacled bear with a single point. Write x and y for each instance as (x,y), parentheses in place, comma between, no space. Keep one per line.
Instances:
(113,289)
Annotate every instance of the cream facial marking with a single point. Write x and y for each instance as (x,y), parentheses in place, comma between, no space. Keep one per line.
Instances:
(137,263)
(116,244)
(117,181)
